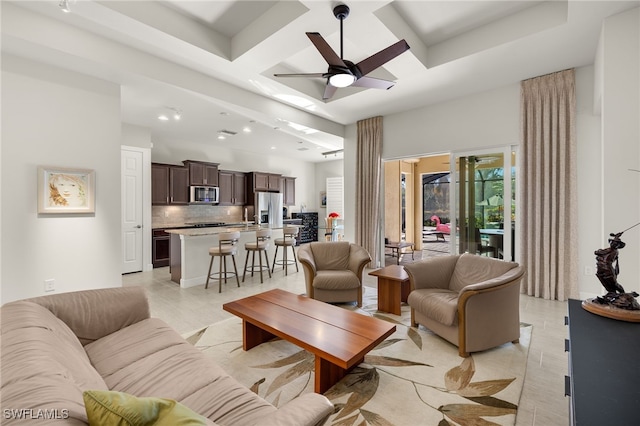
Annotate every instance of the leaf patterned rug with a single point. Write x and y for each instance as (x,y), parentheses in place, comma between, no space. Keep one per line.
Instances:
(412,378)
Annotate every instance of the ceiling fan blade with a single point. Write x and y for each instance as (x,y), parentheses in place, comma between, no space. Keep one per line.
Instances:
(382,57)
(316,74)
(373,83)
(325,50)
(329,91)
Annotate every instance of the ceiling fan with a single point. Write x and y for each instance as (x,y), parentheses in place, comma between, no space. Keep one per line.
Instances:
(343,73)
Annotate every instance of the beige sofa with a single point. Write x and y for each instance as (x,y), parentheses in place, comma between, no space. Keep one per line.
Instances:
(472,301)
(333,270)
(55,347)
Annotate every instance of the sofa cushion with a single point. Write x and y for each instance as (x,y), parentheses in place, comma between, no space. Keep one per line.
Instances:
(150,359)
(440,305)
(110,408)
(44,366)
(92,314)
(331,256)
(336,280)
(473,269)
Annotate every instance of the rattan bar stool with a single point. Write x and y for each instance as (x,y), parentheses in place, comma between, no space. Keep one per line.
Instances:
(260,245)
(226,247)
(288,240)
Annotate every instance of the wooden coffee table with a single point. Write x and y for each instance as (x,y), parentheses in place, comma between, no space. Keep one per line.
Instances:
(393,288)
(338,338)
(396,249)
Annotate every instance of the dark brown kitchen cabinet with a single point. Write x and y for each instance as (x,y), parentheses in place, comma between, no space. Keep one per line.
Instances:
(232,188)
(201,173)
(288,187)
(169,184)
(160,251)
(264,182)
(159,184)
(178,185)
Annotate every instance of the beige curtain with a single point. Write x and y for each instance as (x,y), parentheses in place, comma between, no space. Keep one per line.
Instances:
(548,178)
(368,172)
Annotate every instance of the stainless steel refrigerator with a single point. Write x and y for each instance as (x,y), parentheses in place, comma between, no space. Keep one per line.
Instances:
(268,207)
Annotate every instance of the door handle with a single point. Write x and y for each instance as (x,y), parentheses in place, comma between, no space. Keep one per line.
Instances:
(138,226)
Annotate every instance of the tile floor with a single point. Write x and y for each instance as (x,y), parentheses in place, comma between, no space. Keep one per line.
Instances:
(542,403)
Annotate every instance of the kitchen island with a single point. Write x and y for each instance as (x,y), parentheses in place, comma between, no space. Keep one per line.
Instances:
(190,258)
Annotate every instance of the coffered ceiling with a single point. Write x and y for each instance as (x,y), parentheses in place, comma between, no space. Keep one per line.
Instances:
(214,60)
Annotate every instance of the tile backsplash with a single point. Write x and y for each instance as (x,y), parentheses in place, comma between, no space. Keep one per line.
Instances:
(176,215)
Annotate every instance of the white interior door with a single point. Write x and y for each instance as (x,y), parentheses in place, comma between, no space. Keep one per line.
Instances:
(132,210)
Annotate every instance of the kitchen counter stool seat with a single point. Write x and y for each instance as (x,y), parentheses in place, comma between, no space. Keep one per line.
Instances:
(260,245)
(226,247)
(289,240)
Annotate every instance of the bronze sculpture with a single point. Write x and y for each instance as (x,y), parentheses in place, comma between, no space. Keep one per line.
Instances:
(608,268)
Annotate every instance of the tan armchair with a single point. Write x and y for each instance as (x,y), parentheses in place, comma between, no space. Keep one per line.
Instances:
(333,270)
(471,301)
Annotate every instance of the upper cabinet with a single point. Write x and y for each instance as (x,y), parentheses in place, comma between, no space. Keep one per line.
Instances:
(288,185)
(232,188)
(202,173)
(169,184)
(264,182)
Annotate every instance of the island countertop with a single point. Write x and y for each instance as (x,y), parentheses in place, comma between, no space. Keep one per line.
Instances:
(195,232)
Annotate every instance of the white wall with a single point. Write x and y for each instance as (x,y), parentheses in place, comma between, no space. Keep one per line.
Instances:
(620,145)
(58,118)
(134,135)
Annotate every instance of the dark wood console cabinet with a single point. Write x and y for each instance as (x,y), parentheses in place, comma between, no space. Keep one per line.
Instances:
(604,369)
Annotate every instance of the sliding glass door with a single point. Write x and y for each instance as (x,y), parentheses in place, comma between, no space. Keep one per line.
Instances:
(483,199)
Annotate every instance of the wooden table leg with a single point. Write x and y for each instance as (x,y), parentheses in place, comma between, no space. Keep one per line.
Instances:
(389,295)
(328,374)
(253,335)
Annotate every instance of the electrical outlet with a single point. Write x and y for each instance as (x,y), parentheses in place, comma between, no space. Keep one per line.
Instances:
(588,270)
(50,285)
(166,213)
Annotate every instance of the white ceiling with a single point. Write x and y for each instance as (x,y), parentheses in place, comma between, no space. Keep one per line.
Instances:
(220,56)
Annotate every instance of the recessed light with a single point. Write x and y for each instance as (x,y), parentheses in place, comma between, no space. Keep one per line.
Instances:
(221,137)
(273,147)
(163,117)
(246,129)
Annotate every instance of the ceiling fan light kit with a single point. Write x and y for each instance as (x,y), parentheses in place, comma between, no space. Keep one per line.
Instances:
(343,73)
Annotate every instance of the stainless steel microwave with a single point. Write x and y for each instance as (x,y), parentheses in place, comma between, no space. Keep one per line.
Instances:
(204,194)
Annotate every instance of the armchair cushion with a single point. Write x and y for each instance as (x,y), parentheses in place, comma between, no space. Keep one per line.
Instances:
(336,280)
(333,256)
(472,269)
(438,304)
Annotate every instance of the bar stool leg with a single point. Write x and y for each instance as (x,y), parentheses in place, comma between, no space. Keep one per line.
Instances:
(284,259)
(220,276)
(206,285)
(293,249)
(246,260)
(259,261)
(266,258)
(275,256)
(235,269)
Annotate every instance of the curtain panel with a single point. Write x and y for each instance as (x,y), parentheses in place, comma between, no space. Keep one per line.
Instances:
(368,172)
(548,178)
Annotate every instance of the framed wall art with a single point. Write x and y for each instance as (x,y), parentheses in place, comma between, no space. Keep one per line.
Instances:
(64,190)
(323,199)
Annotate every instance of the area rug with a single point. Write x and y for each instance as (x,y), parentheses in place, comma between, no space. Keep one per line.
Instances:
(412,378)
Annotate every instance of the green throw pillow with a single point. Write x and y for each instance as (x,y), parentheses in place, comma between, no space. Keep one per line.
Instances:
(106,408)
